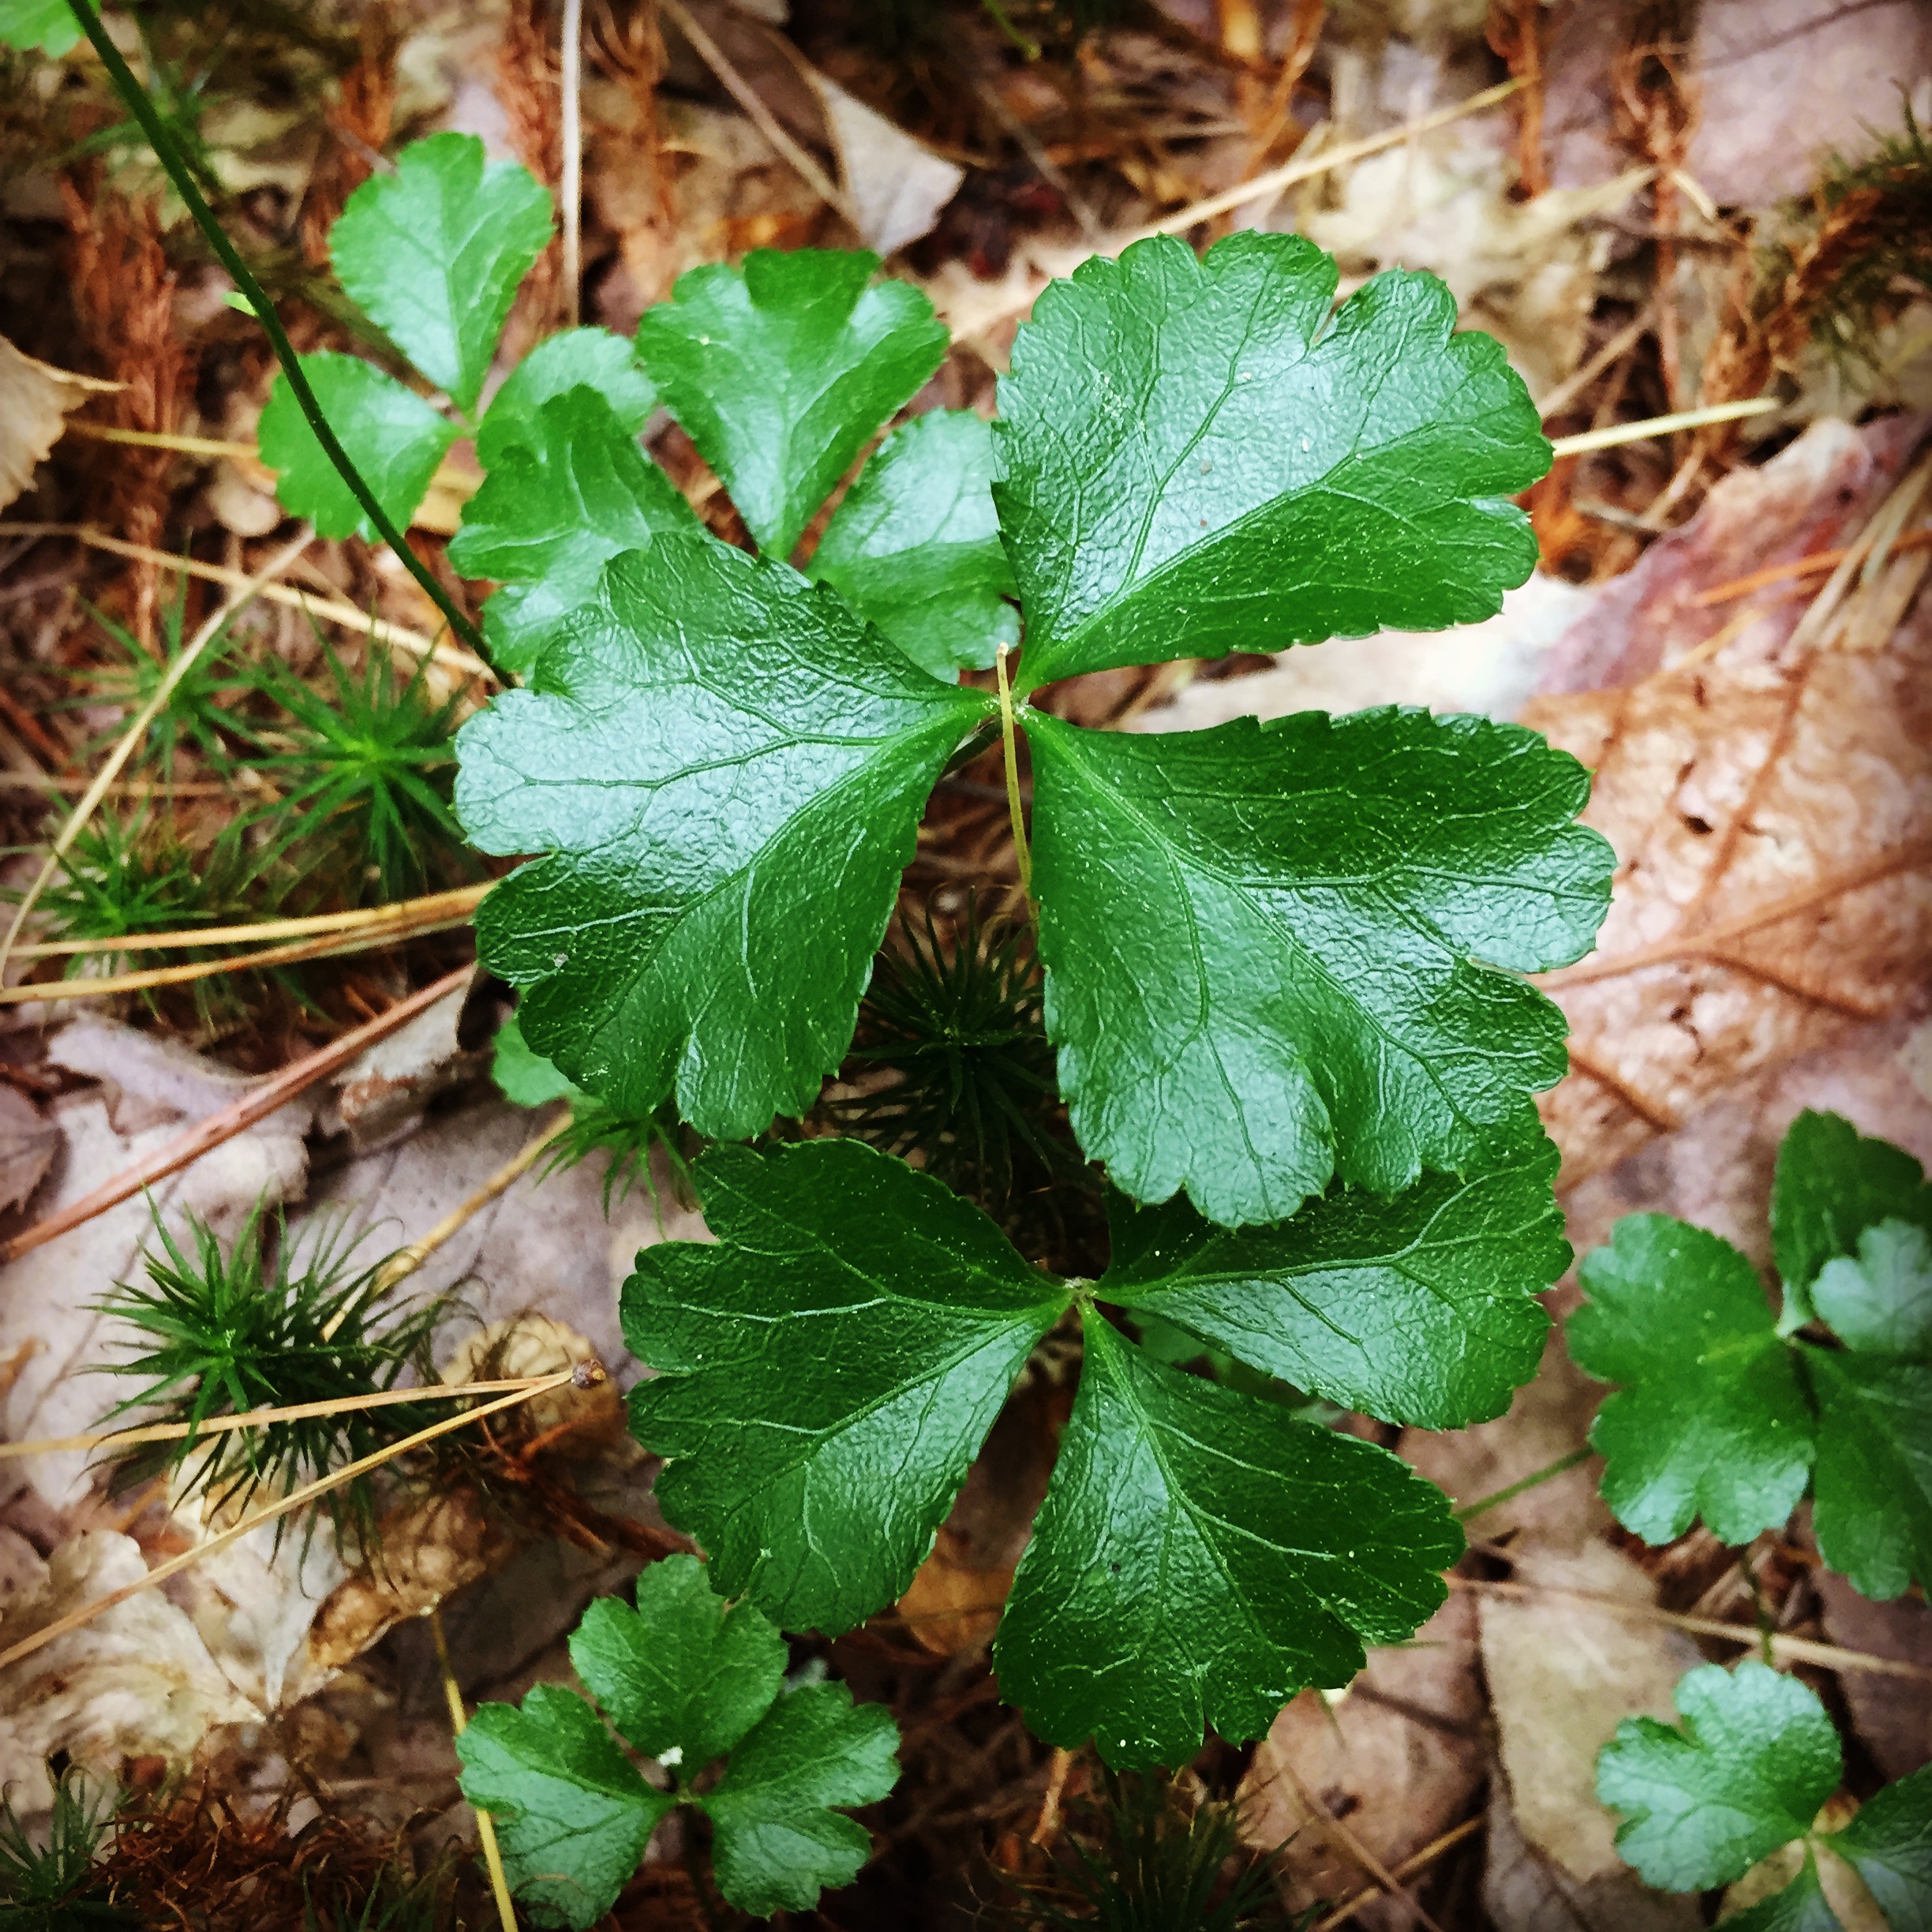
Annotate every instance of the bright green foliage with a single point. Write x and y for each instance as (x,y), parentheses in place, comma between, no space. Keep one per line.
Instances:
(1889,1845)
(219,1332)
(782,371)
(579,358)
(914,546)
(726,768)
(1744,1775)
(1712,1419)
(1263,946)
(1195,459)
(1723,1412)
(831,1366)
(523,1077)
(574,491)
(434,252)
(1832,1184)
(48,25)
(1201,1554)
(817,1493)
(684,1679)
(1420,1309)
(367,770)
(391,434)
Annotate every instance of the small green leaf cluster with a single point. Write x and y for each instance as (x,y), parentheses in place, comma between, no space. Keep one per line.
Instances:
(46,1875)
(684,1679)
(43,26)
(1201,1555)
(1744,1775)
(1726,1413)
(221,1330)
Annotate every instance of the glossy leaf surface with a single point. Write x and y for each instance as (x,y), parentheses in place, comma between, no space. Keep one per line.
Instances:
(914,546)
(780,370)
(434,252)
(1200,1557)
(1195,459)
(1265,946)
(389,433)
(1420,1309)
(828,1370)
(725,768)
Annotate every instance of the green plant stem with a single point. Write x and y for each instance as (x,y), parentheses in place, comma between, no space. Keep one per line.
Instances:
(1022,855)
(1515,1489)
(143,109)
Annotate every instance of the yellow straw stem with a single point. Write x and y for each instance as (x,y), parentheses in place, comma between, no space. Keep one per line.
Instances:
(486,1826)
(1009,748)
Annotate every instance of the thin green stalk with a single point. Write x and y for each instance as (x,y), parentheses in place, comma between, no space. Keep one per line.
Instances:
(143,109)
(1515,1489)
(1022,855)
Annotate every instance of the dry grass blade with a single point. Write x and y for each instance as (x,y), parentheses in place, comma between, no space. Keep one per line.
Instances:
(1325,1821)
(407,913)
(486,1825)
(138,728)
(1612,434)
(262,1418)
(299,1499)
(274,1092)
(327,610)
(1801,1649)
(1417,1862)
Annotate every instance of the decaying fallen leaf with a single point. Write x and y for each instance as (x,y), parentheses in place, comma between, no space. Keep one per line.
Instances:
(896,186)
(137,1682)
(35,400)
(1523,1891)
(27,1144)
(1772,820)
(1563,1673)
(1398,1758)
(1897,1730)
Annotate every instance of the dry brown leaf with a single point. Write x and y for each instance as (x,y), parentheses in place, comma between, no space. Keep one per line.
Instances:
(1772,823)
(27,1144)
(1897,1730)
(137,1682)
(35,400)
(1523,1891)
(896,185)
(1398,1758)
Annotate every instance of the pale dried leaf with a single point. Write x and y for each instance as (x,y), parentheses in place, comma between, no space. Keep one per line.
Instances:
(1524,1891)
(1564,1673)
(27,1144)
(136,1682)
(1398,1758)
(35,399)
(896,185)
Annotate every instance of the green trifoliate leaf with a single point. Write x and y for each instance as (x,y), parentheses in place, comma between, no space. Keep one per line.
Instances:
(48,25)
(434,252)
(1420,1309)
(1833,1183)
(587,358)
(1712,1419)
(914,546)
(524,1078)
(1264,946)
(1755,1758)
(1203,1555)
(573,492)
(573,1814)
(1872,1493)
(781,371)
(392,435)
(1195,458)
(684,1675)
(828,1369)
(1889,1845)
(726,769)
(1881,1301)
(776,1841)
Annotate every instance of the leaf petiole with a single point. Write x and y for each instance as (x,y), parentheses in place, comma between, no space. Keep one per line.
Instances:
(1022,855)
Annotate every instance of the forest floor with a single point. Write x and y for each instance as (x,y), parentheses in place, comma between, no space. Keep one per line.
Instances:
(1667,212)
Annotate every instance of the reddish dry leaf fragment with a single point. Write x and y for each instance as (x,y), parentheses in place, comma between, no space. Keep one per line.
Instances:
(1774,830)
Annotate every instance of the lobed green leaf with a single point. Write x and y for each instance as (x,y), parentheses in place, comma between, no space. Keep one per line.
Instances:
(1889,1845)
(579,358)
(1195,458)
(781,371)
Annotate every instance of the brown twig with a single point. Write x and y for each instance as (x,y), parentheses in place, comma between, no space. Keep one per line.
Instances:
(274,1092)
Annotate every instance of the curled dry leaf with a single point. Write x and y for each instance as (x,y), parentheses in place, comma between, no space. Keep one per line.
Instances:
(585,1422)
(27,1144)
(35,399)
(1771,813)
(137,1682)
